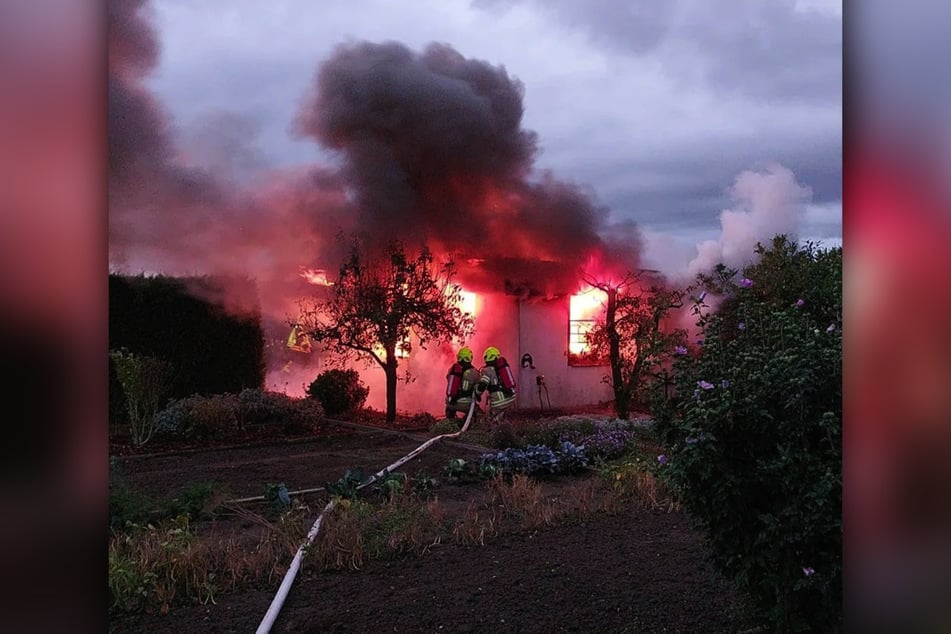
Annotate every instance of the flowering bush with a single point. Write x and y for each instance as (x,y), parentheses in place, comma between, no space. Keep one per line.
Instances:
(753,436)
(535,460)
(604,444)
(602,438)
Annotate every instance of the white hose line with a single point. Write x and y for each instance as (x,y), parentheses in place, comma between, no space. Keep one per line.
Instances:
(278,602)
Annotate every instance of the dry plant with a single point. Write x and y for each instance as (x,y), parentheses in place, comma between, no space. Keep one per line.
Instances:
(357,531)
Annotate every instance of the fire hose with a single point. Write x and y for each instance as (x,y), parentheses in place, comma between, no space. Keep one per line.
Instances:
(278,602)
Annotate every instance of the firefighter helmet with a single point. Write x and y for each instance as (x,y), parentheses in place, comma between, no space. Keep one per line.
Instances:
(464,355)
(491,354)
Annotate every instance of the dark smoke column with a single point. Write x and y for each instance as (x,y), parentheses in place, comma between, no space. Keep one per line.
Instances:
(433,147)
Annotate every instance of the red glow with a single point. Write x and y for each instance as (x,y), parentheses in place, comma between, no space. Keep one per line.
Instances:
(584,310)
(468,303)
(317,277)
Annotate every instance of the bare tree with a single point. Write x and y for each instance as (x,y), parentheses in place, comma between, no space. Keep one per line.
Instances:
(378,304)
(632,332)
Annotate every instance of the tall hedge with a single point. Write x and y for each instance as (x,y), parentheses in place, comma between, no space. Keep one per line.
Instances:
(182,320)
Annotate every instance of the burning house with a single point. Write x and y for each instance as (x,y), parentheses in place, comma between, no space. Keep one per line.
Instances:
(544,338)
(428,148)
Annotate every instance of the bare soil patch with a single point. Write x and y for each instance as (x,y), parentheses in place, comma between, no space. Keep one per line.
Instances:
(634,570)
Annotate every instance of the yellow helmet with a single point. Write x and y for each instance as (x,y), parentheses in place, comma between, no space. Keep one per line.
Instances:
(491,354)
(464,355)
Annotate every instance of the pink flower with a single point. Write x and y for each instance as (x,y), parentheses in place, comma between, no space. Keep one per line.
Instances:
(800,303)
(705,385)
(830,328)
(746,282)
(808,571)
(680,350)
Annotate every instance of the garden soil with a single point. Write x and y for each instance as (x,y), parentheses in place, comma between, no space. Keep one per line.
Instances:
(631,571)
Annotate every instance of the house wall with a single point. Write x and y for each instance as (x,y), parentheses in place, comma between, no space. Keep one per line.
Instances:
(543,333)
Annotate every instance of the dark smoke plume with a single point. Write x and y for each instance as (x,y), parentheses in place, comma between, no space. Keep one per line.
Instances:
(168,215)
(433,146)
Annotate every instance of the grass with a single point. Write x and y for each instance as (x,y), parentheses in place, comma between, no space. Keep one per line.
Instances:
(158,559)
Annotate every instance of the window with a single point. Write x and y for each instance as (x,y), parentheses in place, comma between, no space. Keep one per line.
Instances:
(585,309)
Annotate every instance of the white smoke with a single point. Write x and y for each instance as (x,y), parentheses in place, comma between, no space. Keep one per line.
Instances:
(767,203)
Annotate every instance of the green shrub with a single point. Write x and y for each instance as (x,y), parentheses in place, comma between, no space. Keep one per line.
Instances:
(127,507)
(445,426)
(506,435)
(197,501)
(145,383)
(753,436)
(339,391)
(201,417)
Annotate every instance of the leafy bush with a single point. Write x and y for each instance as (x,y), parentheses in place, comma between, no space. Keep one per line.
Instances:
(277,496)
(145,383)
(201,417)
(507,435)
(196,501)
(346,487)
(339,391)
(129,508)
(603,444)
(445,426)
(603,439)
(534,460)
(753,436)
(126,506)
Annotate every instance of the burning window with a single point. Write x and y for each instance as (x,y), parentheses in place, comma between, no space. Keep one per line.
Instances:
(467,302)
(585,309)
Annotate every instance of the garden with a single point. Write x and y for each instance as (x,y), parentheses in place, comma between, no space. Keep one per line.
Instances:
(712,507)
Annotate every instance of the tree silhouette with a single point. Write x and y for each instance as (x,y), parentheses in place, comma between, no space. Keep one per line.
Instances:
(380,303)
(631,332)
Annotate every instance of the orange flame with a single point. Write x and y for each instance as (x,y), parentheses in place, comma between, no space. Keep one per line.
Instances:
(584,310)
(468,302)
(317,277)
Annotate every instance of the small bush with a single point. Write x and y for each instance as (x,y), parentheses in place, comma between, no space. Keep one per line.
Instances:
(154,567)
(127,507)
(202,417)
(358,531)
(445,426)
(508,435)
(145,381)
(198,418)
(339,391)
(196,501)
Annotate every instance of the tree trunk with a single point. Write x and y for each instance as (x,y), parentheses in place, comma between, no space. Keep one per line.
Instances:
(390,370)
(621,391)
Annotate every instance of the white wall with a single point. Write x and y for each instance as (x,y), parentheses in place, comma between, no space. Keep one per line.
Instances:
(543,332)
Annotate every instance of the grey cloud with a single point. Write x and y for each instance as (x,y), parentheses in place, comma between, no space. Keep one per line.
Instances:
(761,49)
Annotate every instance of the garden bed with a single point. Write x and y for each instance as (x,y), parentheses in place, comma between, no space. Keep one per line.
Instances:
(624,568)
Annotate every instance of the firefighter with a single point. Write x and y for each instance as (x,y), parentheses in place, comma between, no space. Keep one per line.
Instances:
(460,381)
(499,380)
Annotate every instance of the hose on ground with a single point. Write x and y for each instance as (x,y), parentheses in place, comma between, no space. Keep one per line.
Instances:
(278,602)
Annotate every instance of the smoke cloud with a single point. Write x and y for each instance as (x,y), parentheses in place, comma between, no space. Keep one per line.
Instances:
(433,146)
(768,202)
(169,215)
